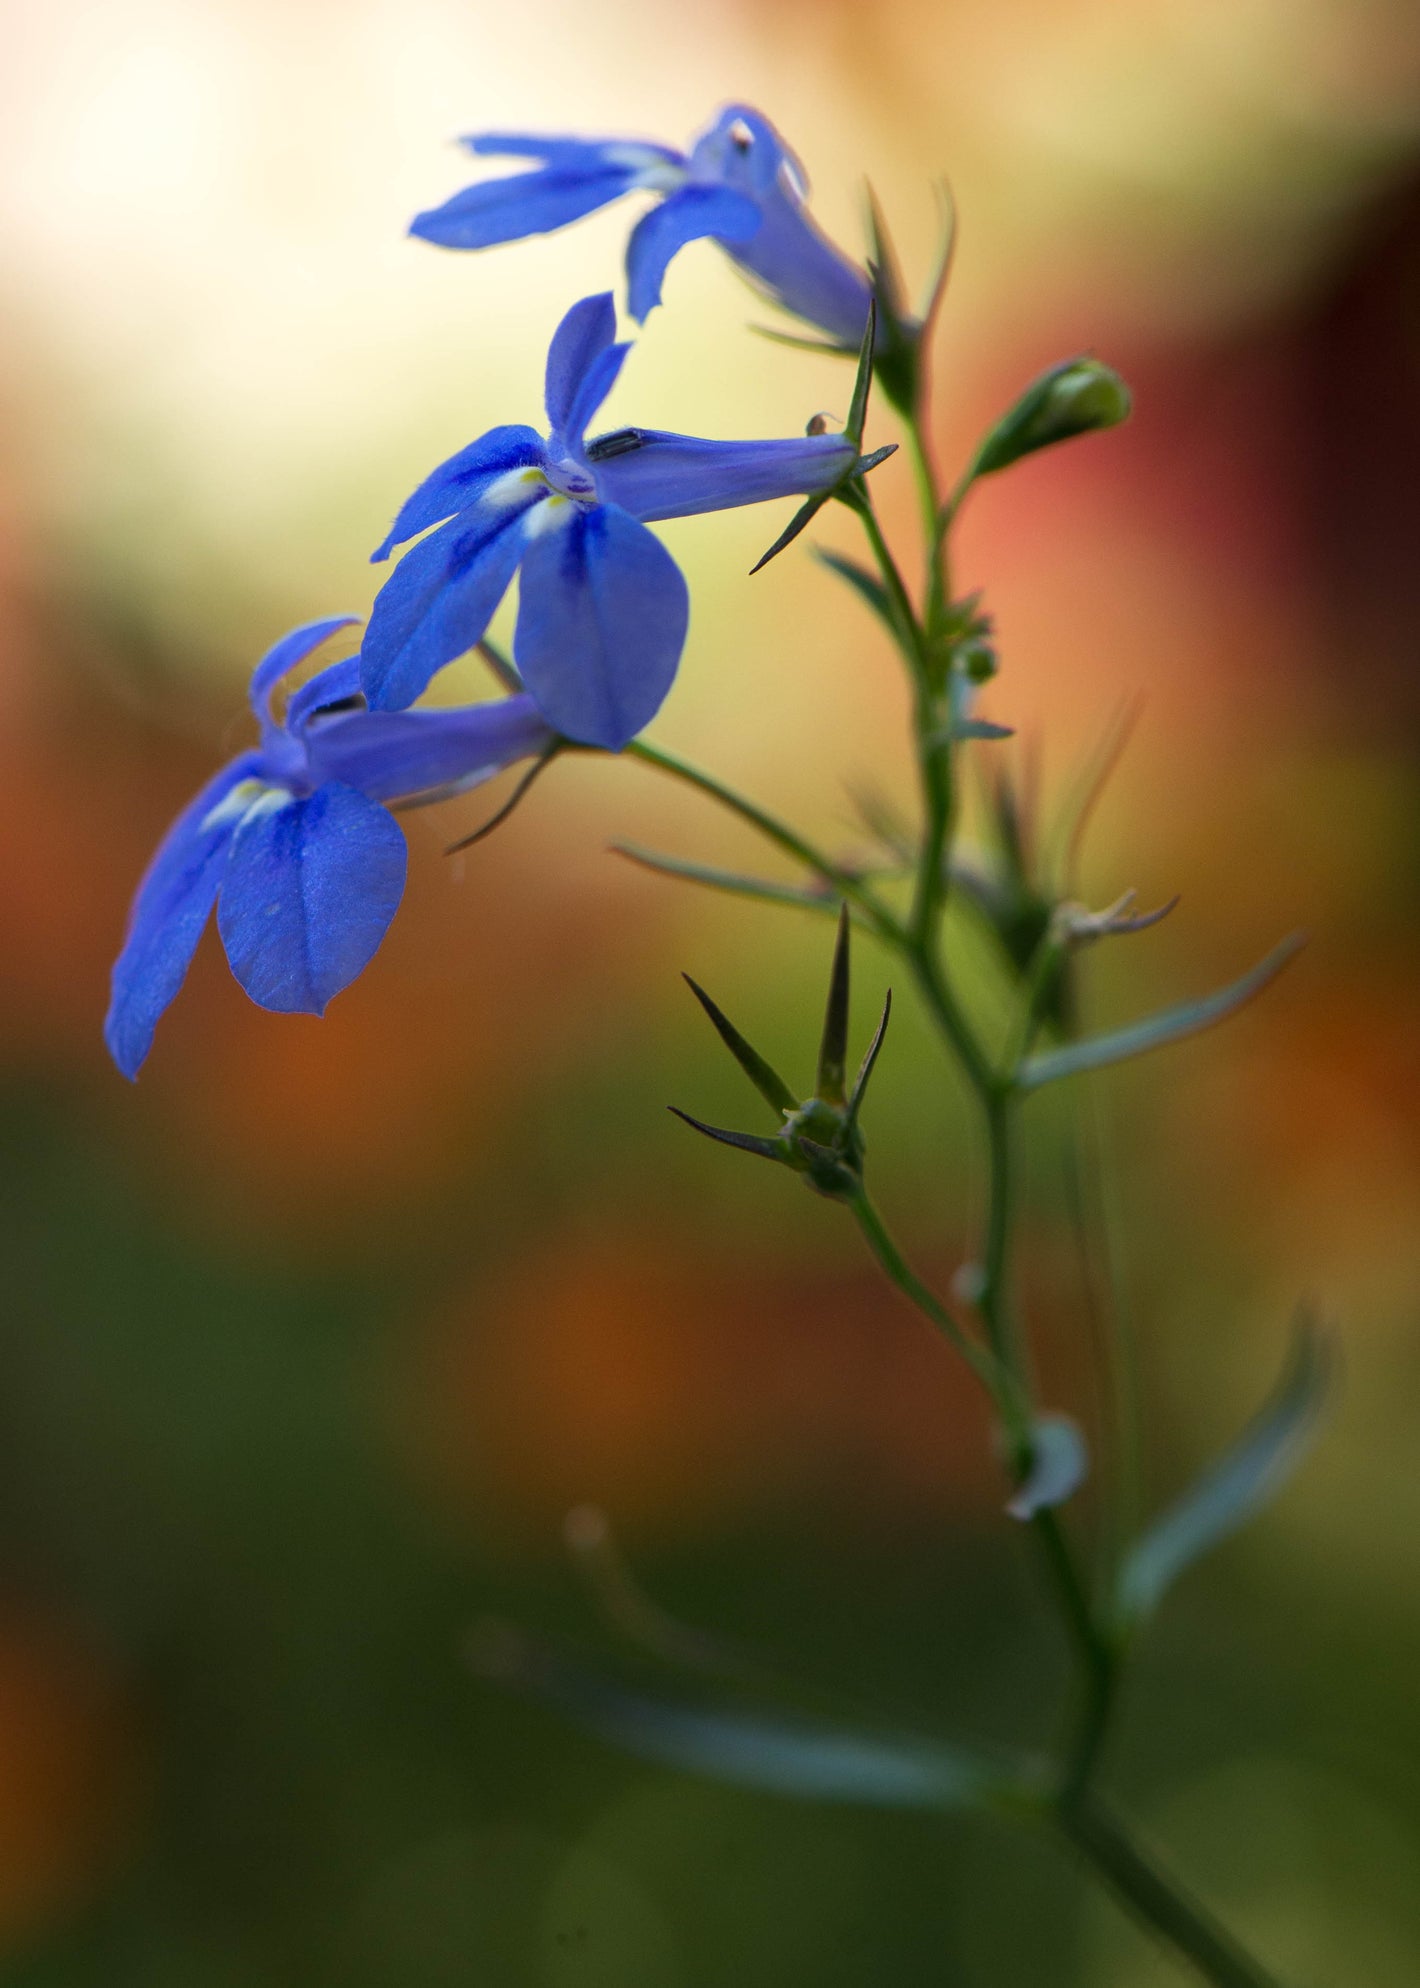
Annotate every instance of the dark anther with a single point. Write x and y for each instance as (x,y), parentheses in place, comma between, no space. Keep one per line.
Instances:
(620,443)
(355,702)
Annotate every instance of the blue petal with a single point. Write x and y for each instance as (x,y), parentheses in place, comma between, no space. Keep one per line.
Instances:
(794,261)
(788,254)
(596,383)
(742,149)
(578,342)
(504,210)
(309,893)
(459,482)
(335,685)
(629,154)
(661,475)
(169,912)
(438,601)
(685,217)
(290,650)
(602,616)
(391,755)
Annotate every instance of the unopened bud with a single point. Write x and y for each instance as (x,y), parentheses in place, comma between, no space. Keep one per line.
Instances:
(977,659)
(968,1284)
(1071,399)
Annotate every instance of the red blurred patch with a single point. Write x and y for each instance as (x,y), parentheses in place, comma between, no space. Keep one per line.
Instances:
(646,1375)
(68,1774)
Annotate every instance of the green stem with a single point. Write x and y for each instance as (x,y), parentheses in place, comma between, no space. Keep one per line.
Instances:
(1157,1898)
(779,833)
(1110,1329)
(934,525)
(900,1273)
(909,633)
(996,1307)
(1152,1895)
(947,1015)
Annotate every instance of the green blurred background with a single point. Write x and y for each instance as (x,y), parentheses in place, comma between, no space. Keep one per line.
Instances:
(309,1342)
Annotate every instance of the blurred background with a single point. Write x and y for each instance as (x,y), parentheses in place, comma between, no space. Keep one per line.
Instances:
(310,1341)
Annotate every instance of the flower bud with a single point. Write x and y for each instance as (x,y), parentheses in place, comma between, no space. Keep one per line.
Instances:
(1071,399)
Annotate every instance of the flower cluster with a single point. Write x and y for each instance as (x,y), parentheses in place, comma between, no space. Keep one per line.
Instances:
(293,841)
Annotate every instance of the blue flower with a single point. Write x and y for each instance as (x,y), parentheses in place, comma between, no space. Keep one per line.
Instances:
(603,608)
(739,184)
(291,844)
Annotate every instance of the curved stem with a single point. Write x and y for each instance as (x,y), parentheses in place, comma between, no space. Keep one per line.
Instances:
(900,1273)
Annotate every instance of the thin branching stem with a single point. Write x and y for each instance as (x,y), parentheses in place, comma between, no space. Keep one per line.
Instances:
(784,838)
(998,1357)
(1157,1899)
(900,1273)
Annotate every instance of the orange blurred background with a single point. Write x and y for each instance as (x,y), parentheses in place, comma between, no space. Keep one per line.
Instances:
(315,1334)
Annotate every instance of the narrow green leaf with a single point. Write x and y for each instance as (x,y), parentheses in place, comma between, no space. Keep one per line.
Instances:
(805,344)
(970,728)
(1239,1483)
(1170,1026)
(777,1753)
(759,888)
(865,1068)
(627,1607)
(880,817)
(1059,1465)
(766,1081)
(865,584)
(833,1048)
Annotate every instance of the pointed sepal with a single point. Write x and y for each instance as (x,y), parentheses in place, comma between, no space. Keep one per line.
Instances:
(808,510)
(766,1081)
(819,1138)
(898,336)
(853,432)
(833,1047)
(513,802)
(862,380)
(743,1142)
(865,1068)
